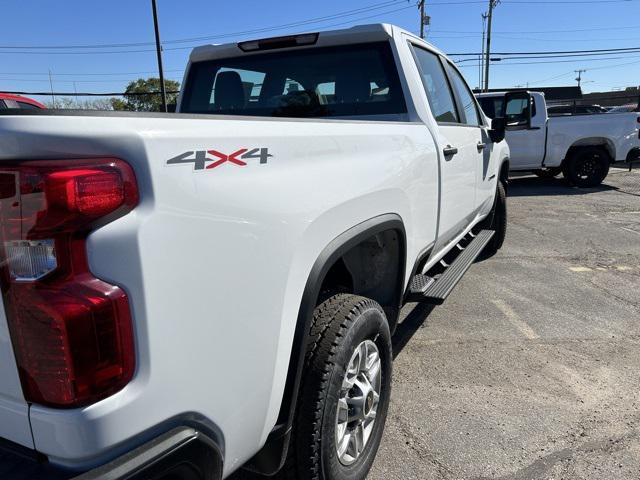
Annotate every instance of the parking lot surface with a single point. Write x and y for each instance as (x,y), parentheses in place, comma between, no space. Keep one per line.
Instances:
(531,369)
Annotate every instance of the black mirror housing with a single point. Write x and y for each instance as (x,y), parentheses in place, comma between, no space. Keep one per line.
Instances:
(498,129)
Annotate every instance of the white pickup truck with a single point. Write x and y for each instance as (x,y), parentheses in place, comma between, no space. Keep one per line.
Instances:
(187,294)
(582,147)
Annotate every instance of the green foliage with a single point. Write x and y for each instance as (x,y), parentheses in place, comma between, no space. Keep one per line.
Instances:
(145,103)
(65,103)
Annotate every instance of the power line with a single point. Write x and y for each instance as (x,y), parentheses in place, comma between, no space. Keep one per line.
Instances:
(550,52)
(23,52)
(634,27)
(56,74)
(501,64)
(321,19)
(89,94)
(579,55)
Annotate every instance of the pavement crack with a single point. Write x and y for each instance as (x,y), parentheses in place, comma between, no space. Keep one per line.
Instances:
(541,467)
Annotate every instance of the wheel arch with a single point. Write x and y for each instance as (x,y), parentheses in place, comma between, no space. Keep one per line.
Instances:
(271,457)
(503,173)
(603,142)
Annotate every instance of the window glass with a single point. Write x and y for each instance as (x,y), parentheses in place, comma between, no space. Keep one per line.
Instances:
(349,80)
(27,106)
(2,105)
(466,98)
(492,106)
(437,87)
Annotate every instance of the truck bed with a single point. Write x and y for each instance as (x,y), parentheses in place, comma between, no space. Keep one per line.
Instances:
(589,130)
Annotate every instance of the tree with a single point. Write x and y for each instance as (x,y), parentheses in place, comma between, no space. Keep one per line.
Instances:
(78,104)
(143,95)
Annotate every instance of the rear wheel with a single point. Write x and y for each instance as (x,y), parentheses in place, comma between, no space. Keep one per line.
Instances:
(587,167)
(345,392)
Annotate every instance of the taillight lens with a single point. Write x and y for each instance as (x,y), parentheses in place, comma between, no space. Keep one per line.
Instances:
(72,333)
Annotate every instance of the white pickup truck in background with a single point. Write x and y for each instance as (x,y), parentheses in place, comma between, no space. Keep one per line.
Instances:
(582,147)
(186,294)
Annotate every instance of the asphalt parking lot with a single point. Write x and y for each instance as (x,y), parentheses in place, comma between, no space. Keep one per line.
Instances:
(531,369)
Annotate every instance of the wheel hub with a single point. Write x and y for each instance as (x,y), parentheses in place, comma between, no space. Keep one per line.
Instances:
(587,167)
(358,402)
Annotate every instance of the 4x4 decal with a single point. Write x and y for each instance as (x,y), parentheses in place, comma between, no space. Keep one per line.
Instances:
(201,159)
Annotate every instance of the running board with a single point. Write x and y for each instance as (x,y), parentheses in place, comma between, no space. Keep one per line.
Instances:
(427,289)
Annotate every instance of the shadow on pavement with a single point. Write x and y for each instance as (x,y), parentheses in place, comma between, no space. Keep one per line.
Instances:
(409,326)
(535,187)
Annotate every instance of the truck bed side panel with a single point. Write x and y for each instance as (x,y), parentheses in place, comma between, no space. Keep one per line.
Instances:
(618,131)
(215,260)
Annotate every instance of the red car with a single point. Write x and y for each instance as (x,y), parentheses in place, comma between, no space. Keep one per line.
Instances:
(8,100)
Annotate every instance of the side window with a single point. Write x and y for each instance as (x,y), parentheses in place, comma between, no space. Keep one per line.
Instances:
(2,105)
(27,106)
(492,106)
(437,87)
(466,98)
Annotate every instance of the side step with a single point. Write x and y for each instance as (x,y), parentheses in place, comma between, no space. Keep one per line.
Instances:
(427,289)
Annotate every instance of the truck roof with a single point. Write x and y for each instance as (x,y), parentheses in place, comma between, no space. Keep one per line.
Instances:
(357,34)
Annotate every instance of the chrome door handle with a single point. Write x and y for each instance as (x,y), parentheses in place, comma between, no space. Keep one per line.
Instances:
(481,146)
(450,151)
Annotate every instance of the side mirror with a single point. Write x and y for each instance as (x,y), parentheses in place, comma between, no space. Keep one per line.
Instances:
(517,110)
(498,129)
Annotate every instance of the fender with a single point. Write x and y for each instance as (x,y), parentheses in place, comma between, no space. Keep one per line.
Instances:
(273,454)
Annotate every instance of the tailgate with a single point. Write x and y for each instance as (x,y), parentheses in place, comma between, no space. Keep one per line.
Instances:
(14,411)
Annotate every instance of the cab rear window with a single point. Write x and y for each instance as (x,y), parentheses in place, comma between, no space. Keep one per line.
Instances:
(352,80)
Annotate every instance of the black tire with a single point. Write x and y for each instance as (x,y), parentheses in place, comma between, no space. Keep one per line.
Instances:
(340,324)
(548,172)
(587,167)
(497,221)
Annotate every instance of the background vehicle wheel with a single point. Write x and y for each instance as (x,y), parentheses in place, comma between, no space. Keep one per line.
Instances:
(497,221)
(345,392)
(587,167)
(548,172)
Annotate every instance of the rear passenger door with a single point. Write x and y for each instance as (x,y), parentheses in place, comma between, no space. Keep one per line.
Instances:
(459,144)
(470,109)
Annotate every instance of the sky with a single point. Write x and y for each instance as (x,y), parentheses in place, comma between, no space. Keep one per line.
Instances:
(456,27)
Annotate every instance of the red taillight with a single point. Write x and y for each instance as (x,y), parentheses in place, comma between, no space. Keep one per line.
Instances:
(71,332)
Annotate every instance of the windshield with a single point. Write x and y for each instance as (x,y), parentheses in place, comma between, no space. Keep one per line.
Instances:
(350,80)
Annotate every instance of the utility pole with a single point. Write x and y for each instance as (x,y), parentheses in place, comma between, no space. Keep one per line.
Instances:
(163,91)
(484,34)
(424,19)
(487,53)
(579,78)
(53,97)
